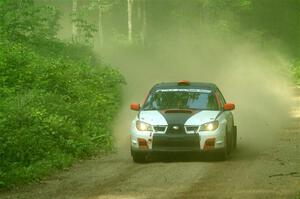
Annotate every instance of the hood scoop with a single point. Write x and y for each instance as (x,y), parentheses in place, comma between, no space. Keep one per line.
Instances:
(178,111)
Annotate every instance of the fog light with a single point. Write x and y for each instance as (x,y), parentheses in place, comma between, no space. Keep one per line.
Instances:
(209,143)
(142,143)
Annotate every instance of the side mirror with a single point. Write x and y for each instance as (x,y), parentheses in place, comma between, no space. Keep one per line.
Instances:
(135,106)
(229,107)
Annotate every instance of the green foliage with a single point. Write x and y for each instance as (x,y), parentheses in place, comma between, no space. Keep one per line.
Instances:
(52,110)
(56,104)
(296,72)
(23,20)
(86,30)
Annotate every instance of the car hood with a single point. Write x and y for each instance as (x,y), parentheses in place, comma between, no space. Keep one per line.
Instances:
(155,117)
(202,117)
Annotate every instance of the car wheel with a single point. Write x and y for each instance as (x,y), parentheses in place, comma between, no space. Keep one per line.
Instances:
(225,152)
(139,157)
(234,137)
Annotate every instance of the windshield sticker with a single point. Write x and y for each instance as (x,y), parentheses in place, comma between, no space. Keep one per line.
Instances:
(185,90)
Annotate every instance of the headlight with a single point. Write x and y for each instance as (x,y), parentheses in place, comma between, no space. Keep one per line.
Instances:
(142,126)
(210,126)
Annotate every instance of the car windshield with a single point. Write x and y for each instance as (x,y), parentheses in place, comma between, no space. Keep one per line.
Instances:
(181,99)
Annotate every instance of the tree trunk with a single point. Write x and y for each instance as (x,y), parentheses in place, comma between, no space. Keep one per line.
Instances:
(74,27)
(144,23)
(100,25)
(129,2)
(139,10)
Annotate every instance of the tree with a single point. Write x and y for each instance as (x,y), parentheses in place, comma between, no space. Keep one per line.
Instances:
(103,6)
(100,24)
(74,26)
(129,21)
(82,30)
(25,21)
(143,19)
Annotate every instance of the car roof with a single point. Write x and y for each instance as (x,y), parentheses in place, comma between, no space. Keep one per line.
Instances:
(195,85)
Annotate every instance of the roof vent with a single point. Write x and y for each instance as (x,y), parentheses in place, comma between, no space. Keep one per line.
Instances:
(178,111)
(183,83)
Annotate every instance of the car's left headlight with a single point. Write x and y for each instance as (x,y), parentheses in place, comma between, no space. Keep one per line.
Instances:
(143,126)
(210,126)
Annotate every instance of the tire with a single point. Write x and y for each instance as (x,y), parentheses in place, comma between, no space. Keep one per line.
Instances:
(234,133)
(224,153)
(139,157)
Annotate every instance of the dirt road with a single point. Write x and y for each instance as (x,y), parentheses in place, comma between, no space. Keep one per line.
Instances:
(270,173)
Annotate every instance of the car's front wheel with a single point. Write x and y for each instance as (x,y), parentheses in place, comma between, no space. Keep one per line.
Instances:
(225,152)
(234,137)
(139,157)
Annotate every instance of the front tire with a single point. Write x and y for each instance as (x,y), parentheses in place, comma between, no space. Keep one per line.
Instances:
(138,157)
(225,152)
(234,137)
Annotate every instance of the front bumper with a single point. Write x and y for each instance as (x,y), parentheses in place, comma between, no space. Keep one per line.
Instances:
(170,151)
(183,142)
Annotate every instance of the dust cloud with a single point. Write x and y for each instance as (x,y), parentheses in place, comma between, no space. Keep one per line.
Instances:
(253,77)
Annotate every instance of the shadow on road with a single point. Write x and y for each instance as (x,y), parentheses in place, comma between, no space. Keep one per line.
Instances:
(243,152)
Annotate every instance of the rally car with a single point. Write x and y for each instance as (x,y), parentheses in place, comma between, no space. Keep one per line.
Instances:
(183,117)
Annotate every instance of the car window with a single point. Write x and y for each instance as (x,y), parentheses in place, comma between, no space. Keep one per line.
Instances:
(181,99)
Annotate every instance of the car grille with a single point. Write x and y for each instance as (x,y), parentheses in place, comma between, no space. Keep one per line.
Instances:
(176,129)
(160,128)
(176,137)
(191,129)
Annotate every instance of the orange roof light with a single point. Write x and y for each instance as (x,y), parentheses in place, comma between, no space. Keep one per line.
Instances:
(184,82)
